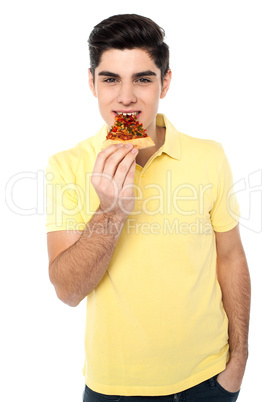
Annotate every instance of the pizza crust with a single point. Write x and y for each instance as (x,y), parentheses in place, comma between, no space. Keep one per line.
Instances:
(138,143)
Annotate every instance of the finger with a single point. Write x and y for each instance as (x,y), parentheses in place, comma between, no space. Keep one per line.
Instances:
(103,155)
(129,179)
(124,168)
(113,162)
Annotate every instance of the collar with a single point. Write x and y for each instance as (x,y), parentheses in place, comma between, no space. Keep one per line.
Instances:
(171,146)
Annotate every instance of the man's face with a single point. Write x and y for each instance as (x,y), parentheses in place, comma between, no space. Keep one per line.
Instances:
(128,81)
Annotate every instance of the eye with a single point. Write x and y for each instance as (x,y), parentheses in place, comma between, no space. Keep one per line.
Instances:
(144,80)
(110,80)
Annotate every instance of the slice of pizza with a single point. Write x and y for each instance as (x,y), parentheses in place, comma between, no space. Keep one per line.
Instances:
(127,129)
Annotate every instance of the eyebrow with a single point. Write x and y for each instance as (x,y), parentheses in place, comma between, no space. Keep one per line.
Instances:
(136,75)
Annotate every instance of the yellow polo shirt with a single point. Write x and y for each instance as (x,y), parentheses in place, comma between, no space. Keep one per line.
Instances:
(155,325)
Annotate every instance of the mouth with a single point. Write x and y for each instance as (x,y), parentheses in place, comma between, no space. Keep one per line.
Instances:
(135,113)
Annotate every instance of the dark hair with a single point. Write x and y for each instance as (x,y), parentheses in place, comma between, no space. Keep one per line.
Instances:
(129,31)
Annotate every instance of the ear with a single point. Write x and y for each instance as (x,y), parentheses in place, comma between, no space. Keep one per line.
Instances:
(91,82)
(166,84)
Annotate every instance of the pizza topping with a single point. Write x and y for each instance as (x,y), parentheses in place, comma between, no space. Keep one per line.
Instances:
(126,127)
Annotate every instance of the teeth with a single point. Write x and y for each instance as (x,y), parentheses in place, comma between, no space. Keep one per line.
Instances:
(125,114)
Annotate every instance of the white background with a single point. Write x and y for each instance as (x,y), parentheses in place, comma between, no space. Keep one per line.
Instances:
(218,58)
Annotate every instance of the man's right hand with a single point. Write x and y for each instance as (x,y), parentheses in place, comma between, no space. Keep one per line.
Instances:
(112,179)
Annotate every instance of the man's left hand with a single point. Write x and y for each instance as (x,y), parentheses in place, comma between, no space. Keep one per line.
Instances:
(231,378)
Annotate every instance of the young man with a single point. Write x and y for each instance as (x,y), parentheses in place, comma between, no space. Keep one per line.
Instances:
(150,237)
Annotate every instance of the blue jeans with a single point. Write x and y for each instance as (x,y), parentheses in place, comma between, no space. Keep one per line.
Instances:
(207,391)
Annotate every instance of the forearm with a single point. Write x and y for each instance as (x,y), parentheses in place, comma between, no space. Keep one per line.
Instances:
(233,276)
(79,269)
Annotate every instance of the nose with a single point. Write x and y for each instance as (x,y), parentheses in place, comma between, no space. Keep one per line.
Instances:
(126,94)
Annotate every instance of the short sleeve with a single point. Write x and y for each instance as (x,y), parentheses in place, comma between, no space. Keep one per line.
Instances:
(63,201)
(225,212)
